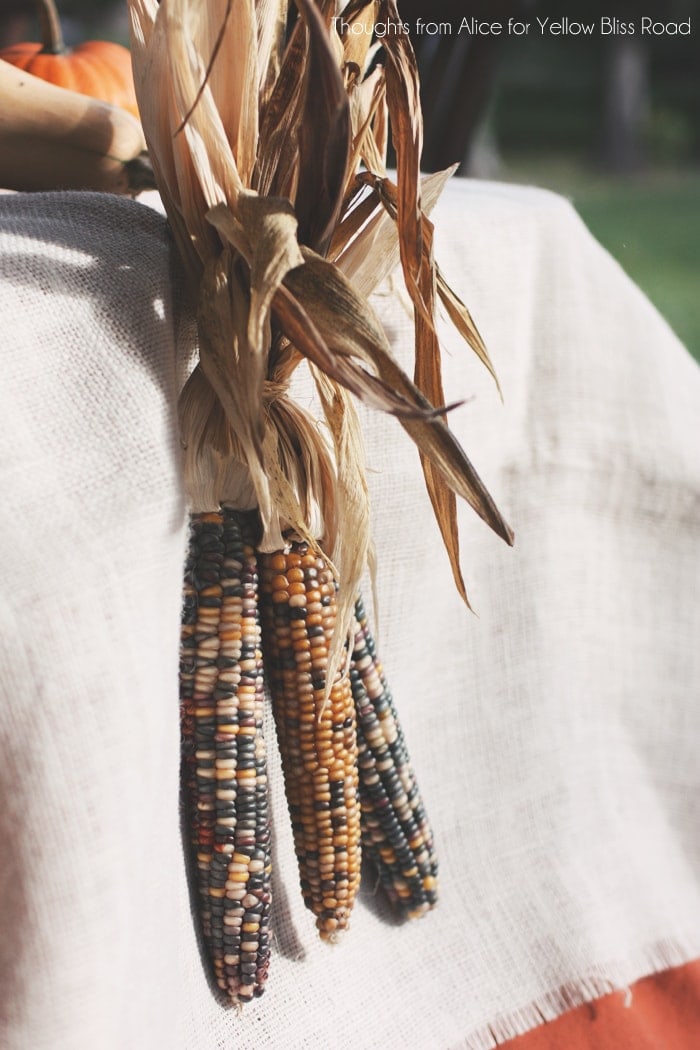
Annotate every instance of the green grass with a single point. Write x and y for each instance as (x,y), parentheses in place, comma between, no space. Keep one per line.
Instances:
(649,223)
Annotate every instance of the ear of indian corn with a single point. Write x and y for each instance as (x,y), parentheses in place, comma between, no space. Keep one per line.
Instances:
(396,835)
(223,751)
(317,739)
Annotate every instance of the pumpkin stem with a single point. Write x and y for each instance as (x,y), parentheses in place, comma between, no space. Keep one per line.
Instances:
(50,24)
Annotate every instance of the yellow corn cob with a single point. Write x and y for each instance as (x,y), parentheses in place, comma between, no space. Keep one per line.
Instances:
(396,835)
(223,751)
(317,740)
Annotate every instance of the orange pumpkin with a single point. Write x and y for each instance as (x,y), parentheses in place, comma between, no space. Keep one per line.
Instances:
(97,68)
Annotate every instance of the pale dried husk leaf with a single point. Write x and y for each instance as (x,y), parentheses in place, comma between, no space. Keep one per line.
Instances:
(271,18)
(368,260)
(360,20)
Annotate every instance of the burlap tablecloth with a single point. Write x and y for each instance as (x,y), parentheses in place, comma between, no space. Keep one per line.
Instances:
(555,734)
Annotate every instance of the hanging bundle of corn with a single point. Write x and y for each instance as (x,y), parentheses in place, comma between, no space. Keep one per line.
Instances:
(267,127)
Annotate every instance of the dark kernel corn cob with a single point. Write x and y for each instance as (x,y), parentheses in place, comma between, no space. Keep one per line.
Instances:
(224,771)
(317,741)
(396,835)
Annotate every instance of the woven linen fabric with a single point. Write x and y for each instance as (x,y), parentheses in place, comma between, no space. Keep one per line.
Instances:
(554,734)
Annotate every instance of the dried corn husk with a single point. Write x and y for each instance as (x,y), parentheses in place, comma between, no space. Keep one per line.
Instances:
(257,135)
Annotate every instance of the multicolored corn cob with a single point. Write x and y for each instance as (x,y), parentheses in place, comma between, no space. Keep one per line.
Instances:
(396,835)
(223,751)
(317,739)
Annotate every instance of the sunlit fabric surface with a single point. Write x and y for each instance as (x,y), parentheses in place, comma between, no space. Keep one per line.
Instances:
(554,734)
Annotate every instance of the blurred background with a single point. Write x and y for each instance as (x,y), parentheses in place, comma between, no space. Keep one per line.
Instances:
(612,120)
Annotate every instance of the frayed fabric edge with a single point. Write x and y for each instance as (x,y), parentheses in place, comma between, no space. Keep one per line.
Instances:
(600,981)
